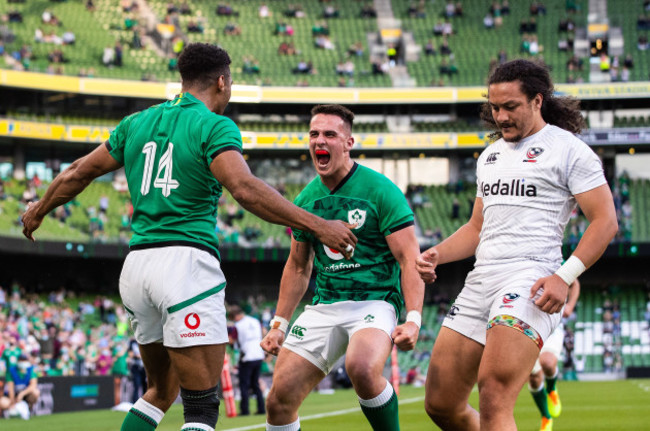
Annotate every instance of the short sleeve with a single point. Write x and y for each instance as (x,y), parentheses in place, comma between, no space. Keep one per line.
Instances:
(394,211)
(223,136)
(117,141)
(297,234)
(584,170)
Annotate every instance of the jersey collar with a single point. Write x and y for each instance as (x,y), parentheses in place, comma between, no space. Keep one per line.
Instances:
(344,180)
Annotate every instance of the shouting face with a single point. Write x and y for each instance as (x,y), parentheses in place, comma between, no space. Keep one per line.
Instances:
(330,142)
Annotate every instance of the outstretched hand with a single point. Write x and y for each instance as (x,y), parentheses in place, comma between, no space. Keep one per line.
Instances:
(272,342)
(426,264)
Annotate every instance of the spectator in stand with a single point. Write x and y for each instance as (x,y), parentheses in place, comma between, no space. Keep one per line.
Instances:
(232,29)
(14,16)
(488,21)
(184,8)
(444,47)
(68,38)
(22,383)
(330,11)
(286,48)
(264,11)
(104,362)
(320,27)
(429,48)
(251,66)
(438,28)
(368,11)
(226,10)
(108,58)
(356,49)
(194,27)
(450,9)
(303,67)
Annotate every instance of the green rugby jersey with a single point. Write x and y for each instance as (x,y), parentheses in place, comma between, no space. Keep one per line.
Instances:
(379,208)
(166,151)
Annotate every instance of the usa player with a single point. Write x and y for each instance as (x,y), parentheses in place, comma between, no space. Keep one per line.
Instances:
(357,302)
(529,181)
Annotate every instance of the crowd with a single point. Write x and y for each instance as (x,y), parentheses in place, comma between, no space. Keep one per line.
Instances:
(62,335)
(48,336)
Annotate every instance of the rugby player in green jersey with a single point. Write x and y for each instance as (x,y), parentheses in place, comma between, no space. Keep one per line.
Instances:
(177,157)
(357,302)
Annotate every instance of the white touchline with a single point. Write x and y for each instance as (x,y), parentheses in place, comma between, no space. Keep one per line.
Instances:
(323,415)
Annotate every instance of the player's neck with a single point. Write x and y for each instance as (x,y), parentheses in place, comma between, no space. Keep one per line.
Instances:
(332,181)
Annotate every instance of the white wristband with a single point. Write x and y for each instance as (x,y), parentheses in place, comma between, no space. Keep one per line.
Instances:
(571,270)
(279,323)
(415,317)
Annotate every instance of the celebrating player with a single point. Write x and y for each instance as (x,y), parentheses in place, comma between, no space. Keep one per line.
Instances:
(357,303)
(546,370)
(177,156)
(529,181)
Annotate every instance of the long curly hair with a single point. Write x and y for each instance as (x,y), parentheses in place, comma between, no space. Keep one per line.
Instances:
(534,79)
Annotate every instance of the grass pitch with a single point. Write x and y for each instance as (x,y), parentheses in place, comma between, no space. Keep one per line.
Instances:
(608,406)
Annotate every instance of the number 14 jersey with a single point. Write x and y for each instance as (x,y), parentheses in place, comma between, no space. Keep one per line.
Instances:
(166,151)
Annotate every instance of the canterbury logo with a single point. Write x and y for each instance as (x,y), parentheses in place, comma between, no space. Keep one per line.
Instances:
(492,158)
(298,331)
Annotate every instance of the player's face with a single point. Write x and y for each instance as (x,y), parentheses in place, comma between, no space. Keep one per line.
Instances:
(515,115)
(330,143)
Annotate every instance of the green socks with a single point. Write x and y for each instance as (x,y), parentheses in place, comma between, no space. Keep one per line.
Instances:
(382,411)
(541,400)
(142,417)
(550,382)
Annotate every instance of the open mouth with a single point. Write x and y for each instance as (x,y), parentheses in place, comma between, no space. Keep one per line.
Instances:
(322,157)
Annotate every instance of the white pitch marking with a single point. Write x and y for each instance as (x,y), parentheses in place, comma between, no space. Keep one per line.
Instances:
(323,415)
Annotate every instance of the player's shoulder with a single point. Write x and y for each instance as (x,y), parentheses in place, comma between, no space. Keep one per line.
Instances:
(556,137)
(371,178)
(557,132)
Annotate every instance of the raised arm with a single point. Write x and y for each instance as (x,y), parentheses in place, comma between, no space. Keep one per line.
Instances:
(293,285)
(231,170)
(404,246)
(67,185)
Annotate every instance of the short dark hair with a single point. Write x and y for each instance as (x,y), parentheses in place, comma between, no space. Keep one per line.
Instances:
(200,64)
(534,79)
(339,110)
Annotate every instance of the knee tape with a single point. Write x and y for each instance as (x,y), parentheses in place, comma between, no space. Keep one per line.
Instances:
(201,406)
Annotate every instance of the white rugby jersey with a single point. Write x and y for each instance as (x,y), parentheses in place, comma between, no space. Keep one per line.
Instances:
(527,189)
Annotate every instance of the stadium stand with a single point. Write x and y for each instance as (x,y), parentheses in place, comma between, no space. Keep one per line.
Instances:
(150,37)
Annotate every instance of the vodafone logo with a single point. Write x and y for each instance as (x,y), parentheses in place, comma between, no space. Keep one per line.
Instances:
(332,254)
(192,321)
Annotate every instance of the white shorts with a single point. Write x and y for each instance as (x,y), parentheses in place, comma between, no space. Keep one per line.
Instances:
(322,332)
(174,295)
(552,345)
(499,295)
